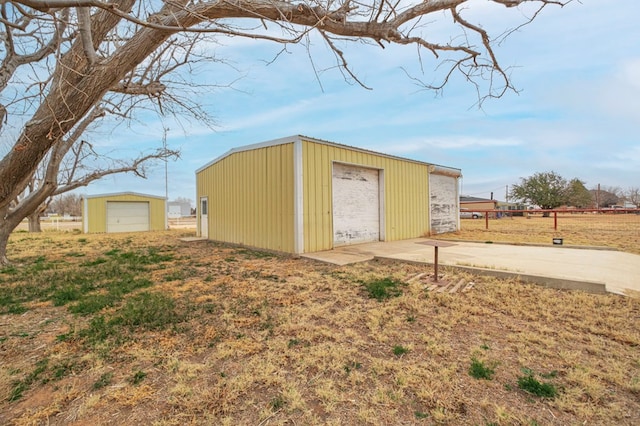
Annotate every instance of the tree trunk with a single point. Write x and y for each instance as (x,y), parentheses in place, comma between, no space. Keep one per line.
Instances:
(8,222)
(34,222)
(6,227)
(4,240)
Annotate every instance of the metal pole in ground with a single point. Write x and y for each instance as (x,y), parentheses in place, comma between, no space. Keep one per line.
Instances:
(435,263)
(435,245)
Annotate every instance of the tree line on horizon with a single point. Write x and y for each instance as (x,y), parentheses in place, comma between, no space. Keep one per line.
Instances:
(549,190)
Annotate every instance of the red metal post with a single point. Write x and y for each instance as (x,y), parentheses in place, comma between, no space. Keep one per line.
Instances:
(555,221)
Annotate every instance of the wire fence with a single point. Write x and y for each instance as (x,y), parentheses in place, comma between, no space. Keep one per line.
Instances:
(615,219)
(610,227)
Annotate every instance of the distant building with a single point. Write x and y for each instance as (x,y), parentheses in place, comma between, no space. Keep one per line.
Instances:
(123,212)
(475,203)
(178,209)
(518,207)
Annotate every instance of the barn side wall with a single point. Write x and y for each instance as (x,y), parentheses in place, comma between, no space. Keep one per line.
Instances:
(405,212)
(251,198)
(96,211)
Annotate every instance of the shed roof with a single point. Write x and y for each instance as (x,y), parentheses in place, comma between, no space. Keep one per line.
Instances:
(298,138)
(465,199)
(116,194)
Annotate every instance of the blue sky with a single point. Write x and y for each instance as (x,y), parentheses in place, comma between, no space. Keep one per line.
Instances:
(577,112)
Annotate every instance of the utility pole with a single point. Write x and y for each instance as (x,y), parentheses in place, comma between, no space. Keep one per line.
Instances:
(166,167)
(166,179)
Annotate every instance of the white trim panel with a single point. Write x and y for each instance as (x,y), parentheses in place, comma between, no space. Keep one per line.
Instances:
(85,217)
(117,194)
(298,202)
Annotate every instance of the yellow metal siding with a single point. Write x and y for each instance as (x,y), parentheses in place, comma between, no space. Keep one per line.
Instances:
(251,199)
(97,211)
(406,194)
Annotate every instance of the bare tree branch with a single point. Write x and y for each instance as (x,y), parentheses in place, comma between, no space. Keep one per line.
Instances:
(84,28)
(135,166)
(65,63)
(154,88)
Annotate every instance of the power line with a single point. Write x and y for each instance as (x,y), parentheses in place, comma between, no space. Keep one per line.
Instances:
(490,190)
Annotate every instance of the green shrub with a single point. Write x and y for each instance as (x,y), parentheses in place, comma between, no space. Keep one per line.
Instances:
(530,384)
(127,284)
(138,377)
(384,288)
(353,365)
(420,415)
(399,350)
(149,311)
(20,386)
(98,331)
(104,380)
(92,304)
(95,262)
(65,295)
(480,371)
(16,309)
(277,403)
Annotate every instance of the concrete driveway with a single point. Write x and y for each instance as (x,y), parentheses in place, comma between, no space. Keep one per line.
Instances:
(586,269)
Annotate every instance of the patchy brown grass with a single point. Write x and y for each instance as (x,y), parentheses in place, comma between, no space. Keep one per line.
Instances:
(264,339)
(620,231)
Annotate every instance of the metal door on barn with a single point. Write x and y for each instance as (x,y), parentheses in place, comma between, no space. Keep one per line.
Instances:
(444,203)
(204,217)
(127,216)
(356,204)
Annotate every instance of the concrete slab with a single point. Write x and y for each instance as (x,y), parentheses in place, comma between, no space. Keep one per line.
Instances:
(555,266)
(191,239)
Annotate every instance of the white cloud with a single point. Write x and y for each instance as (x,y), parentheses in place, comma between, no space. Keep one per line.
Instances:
(452,143)
(628,159)
(630,72)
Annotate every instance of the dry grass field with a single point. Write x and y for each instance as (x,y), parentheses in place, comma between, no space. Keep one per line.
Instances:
(147,329)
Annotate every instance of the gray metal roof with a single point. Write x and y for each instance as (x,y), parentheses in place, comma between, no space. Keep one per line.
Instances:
(297,138)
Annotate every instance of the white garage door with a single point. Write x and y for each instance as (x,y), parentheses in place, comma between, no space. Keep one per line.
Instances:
(127,216)
(444,203)
(356,205)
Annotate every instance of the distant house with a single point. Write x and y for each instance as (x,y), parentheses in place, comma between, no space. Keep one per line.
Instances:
(123,212)
(518,207)
(475,203)
(301,195)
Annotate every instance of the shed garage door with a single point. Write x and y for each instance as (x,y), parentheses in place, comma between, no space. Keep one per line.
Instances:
(356,204)
(444,203)
(127,216)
